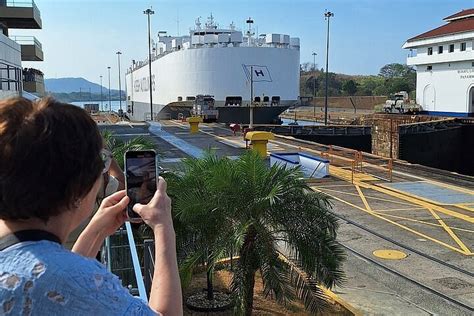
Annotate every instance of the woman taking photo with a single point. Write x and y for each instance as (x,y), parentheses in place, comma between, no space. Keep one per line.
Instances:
(51,167)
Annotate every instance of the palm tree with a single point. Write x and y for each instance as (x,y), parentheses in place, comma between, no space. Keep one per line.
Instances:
(278,225)
(119,147)
(200,235)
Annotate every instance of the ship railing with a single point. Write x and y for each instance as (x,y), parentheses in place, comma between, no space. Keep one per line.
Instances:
(22,4)
(144,63)
(26,40)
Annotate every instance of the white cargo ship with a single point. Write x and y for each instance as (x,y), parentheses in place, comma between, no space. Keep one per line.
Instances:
(217,62)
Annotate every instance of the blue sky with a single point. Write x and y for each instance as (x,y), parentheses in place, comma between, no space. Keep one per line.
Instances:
(80,37)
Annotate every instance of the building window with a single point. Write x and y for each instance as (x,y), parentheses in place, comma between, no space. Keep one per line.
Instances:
(430,50)
(440,49)
(429,68)
(472,64)
(451,48)
(463,47)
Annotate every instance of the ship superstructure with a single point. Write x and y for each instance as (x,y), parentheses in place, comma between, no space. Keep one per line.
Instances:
(219,62)
(15,80)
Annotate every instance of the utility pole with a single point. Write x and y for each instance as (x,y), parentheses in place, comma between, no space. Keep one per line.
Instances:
(251,98)
(149,12)
(110,105)
(101,97)
(120,84)
(328,15)
(314,86)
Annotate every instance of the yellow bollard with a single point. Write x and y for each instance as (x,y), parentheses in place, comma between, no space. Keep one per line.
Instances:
(194,123)
(259,141)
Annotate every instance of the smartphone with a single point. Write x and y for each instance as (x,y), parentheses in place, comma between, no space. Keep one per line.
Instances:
(140,179)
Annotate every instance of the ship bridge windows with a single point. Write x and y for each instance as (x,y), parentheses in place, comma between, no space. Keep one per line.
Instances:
(233,101)
(276,100)
(266,98)
(190,98)
(256,99)
(180,99)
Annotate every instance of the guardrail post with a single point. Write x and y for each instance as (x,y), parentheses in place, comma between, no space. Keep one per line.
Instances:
(390,169)
(353,166)
(148,266)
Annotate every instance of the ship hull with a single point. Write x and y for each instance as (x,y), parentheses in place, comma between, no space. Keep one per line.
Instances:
(262,114)
(222,72)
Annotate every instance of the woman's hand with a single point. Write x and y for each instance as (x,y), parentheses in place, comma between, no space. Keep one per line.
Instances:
(157,213)
(110,215)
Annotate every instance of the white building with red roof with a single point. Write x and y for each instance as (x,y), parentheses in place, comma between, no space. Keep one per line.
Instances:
(444,60)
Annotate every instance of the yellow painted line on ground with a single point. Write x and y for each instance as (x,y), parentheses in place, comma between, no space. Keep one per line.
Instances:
(416,200)
(364,200)
(346,175)
(335,185)
(371,197)
(451,233)
(423,222)
(396,224)
(464,207)
(399,209)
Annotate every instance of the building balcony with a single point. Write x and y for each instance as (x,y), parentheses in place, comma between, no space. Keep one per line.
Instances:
(20,14)
(31,48)
(446,57)
(33,81)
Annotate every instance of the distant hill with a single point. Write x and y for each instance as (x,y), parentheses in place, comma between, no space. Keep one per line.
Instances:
(68,85)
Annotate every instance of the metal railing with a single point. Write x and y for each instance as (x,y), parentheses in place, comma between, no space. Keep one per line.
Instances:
(27,40)
(21,4)
(123,256)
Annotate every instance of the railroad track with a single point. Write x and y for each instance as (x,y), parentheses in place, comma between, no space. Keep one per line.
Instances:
(468,309)
(427,288)
(408,248)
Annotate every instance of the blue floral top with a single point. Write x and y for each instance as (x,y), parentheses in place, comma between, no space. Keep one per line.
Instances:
(43,278)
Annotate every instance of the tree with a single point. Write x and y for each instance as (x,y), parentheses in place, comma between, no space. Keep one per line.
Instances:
(273,220)
(204,238)
(119,148)
(395,70)
(349,86)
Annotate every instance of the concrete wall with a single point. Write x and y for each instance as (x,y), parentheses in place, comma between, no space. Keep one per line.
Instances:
(357,142)
(361,102)
(385,137)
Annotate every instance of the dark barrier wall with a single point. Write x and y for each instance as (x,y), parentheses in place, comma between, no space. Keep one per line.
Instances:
(466,150)
(357,142)
(450,149)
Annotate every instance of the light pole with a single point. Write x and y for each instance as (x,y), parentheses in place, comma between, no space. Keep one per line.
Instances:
(328,15)
(110,105)
(314,86)
(101,96)
(149,12)
(120,84)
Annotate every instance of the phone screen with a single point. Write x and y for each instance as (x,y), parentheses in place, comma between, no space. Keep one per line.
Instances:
(140,179)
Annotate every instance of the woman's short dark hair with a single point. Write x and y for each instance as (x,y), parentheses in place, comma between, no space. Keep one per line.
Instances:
(49,157)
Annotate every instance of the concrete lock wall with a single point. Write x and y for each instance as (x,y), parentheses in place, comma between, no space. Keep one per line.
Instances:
(360,102)
(438,149)
(385,135)
(357,142)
